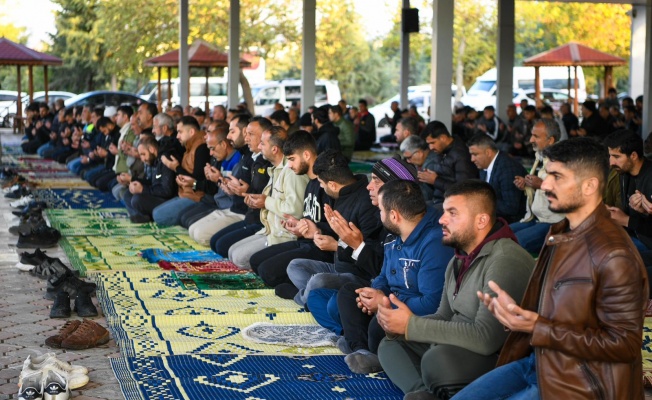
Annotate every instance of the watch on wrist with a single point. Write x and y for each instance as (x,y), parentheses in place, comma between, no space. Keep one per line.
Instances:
(194,186)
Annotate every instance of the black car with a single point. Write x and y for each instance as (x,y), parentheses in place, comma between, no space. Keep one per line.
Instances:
(104,98)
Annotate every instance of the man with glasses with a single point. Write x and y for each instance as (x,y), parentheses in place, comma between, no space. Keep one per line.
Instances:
(416,151)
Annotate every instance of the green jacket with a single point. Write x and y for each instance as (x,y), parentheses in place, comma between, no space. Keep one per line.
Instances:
(463,320)
(346,136)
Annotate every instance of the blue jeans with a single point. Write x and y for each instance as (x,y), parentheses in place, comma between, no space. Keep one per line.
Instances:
(169,213)
(514,381)
(75,166)
(308,275)
(41,150)
(530,235)
(323,306)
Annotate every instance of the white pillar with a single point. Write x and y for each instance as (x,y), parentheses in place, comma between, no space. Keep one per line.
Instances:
(441,74)
(647,80)
(637,51)
(184,70)
(405,63)
(505,57)
(234,53)
(308,62)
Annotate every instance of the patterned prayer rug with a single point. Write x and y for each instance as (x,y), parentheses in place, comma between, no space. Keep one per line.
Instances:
(150,314)
(247,377)
(67,183)
(154,255)
(219,281)
(202,267)
(118,253)
(76,198)
(647,352)
(290,335)
(104,222)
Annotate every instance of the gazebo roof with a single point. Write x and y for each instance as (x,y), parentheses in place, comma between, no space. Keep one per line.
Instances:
(16,54)
(571,54)
(200,54)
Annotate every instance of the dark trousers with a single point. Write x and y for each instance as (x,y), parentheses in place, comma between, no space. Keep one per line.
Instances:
(437,368)
(227,237)
(361,330)
(271,263)
(101,179)
(141,204)
(196,212)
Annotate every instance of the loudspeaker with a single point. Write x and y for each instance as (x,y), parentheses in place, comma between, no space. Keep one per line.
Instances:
(410,20)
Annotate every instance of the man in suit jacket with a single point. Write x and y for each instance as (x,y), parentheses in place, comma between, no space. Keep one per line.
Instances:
(499,169)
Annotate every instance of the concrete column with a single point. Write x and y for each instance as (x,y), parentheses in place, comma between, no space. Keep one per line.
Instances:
(308,63)
(637,51)
(441,74)
(234,53)
(647,80)
(184,68)
(505,58)
(405,64)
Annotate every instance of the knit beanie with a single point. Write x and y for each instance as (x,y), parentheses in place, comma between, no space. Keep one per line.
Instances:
(394,168)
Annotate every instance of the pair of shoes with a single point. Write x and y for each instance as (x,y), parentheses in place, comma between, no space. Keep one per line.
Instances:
(10,189)
(32,208)
(76,375)
(46,384)
(363,362)
(27,224)
(29,261)
(19,193)
(79,335)
(84,306)
(70,283)
(140,219)
(50,267)
(42,236)
(22,201)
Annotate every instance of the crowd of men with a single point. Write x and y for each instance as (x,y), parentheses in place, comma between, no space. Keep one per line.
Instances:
(426,269)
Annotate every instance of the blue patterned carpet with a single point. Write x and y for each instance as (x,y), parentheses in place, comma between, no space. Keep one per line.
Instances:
(247,377)
(76,198)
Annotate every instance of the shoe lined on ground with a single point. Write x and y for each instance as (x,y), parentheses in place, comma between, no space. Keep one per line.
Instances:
(66,330)
(31,387)
(84,306)
(39,362)
(89,334)
(61,306)
(43,236)
(70,284)
(28,261)
(35,207)
(19,193)
(49,267)
(11,188)
(74,378)
(56,386)
(27,224)
(22,201)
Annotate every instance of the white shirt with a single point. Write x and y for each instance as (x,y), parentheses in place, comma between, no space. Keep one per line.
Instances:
(491,167)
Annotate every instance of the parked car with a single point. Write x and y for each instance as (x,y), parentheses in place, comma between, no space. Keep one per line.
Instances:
(217,91)
(9,109)
(553,98)
(104,98)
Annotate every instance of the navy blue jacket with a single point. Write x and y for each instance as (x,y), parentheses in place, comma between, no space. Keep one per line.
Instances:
(511,202)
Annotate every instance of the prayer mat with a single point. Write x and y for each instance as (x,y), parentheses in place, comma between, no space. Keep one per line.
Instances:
(11,150)
(247,377)
(290,335)
(647,352)
(105,253)
(104,222)
(202,267)
(76,198)
(71,183)
(219,281)
(154,255)
(150,314)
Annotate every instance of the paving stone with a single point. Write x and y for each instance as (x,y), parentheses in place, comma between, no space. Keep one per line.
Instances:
(9,389)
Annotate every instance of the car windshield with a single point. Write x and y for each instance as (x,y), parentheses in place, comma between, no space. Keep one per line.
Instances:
(482,86)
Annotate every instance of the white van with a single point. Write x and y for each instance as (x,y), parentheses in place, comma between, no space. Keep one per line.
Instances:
(288,91)
(217,91)
(483,91)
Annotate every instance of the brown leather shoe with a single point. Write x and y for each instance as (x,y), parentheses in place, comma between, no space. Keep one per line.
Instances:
(66,330)
(89,334)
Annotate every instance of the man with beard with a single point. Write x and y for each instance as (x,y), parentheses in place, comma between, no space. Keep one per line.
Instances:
(158,186)
(577,333)
(271,263)
(627,158)
(434,356)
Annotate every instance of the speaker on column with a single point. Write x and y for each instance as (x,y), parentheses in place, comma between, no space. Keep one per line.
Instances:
(410,20)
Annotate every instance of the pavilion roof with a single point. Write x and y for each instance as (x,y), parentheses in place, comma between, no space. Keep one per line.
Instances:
(12,53)
(200,54)
(571,54)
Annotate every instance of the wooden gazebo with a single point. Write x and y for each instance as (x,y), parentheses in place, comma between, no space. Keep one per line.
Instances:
(573,55)
(12,53)
(200,55)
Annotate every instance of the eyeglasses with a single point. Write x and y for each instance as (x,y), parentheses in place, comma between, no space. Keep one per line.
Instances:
(408,158)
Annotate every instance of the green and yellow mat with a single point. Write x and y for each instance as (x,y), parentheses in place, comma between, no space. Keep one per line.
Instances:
(90,254)
(150,314)
(104,222)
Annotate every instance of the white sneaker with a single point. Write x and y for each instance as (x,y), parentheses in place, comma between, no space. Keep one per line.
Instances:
(22,202)
(55,386)
(10,189)
(32,388)
(74,374)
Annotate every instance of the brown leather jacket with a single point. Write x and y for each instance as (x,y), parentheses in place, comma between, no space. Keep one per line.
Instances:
(590,289)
